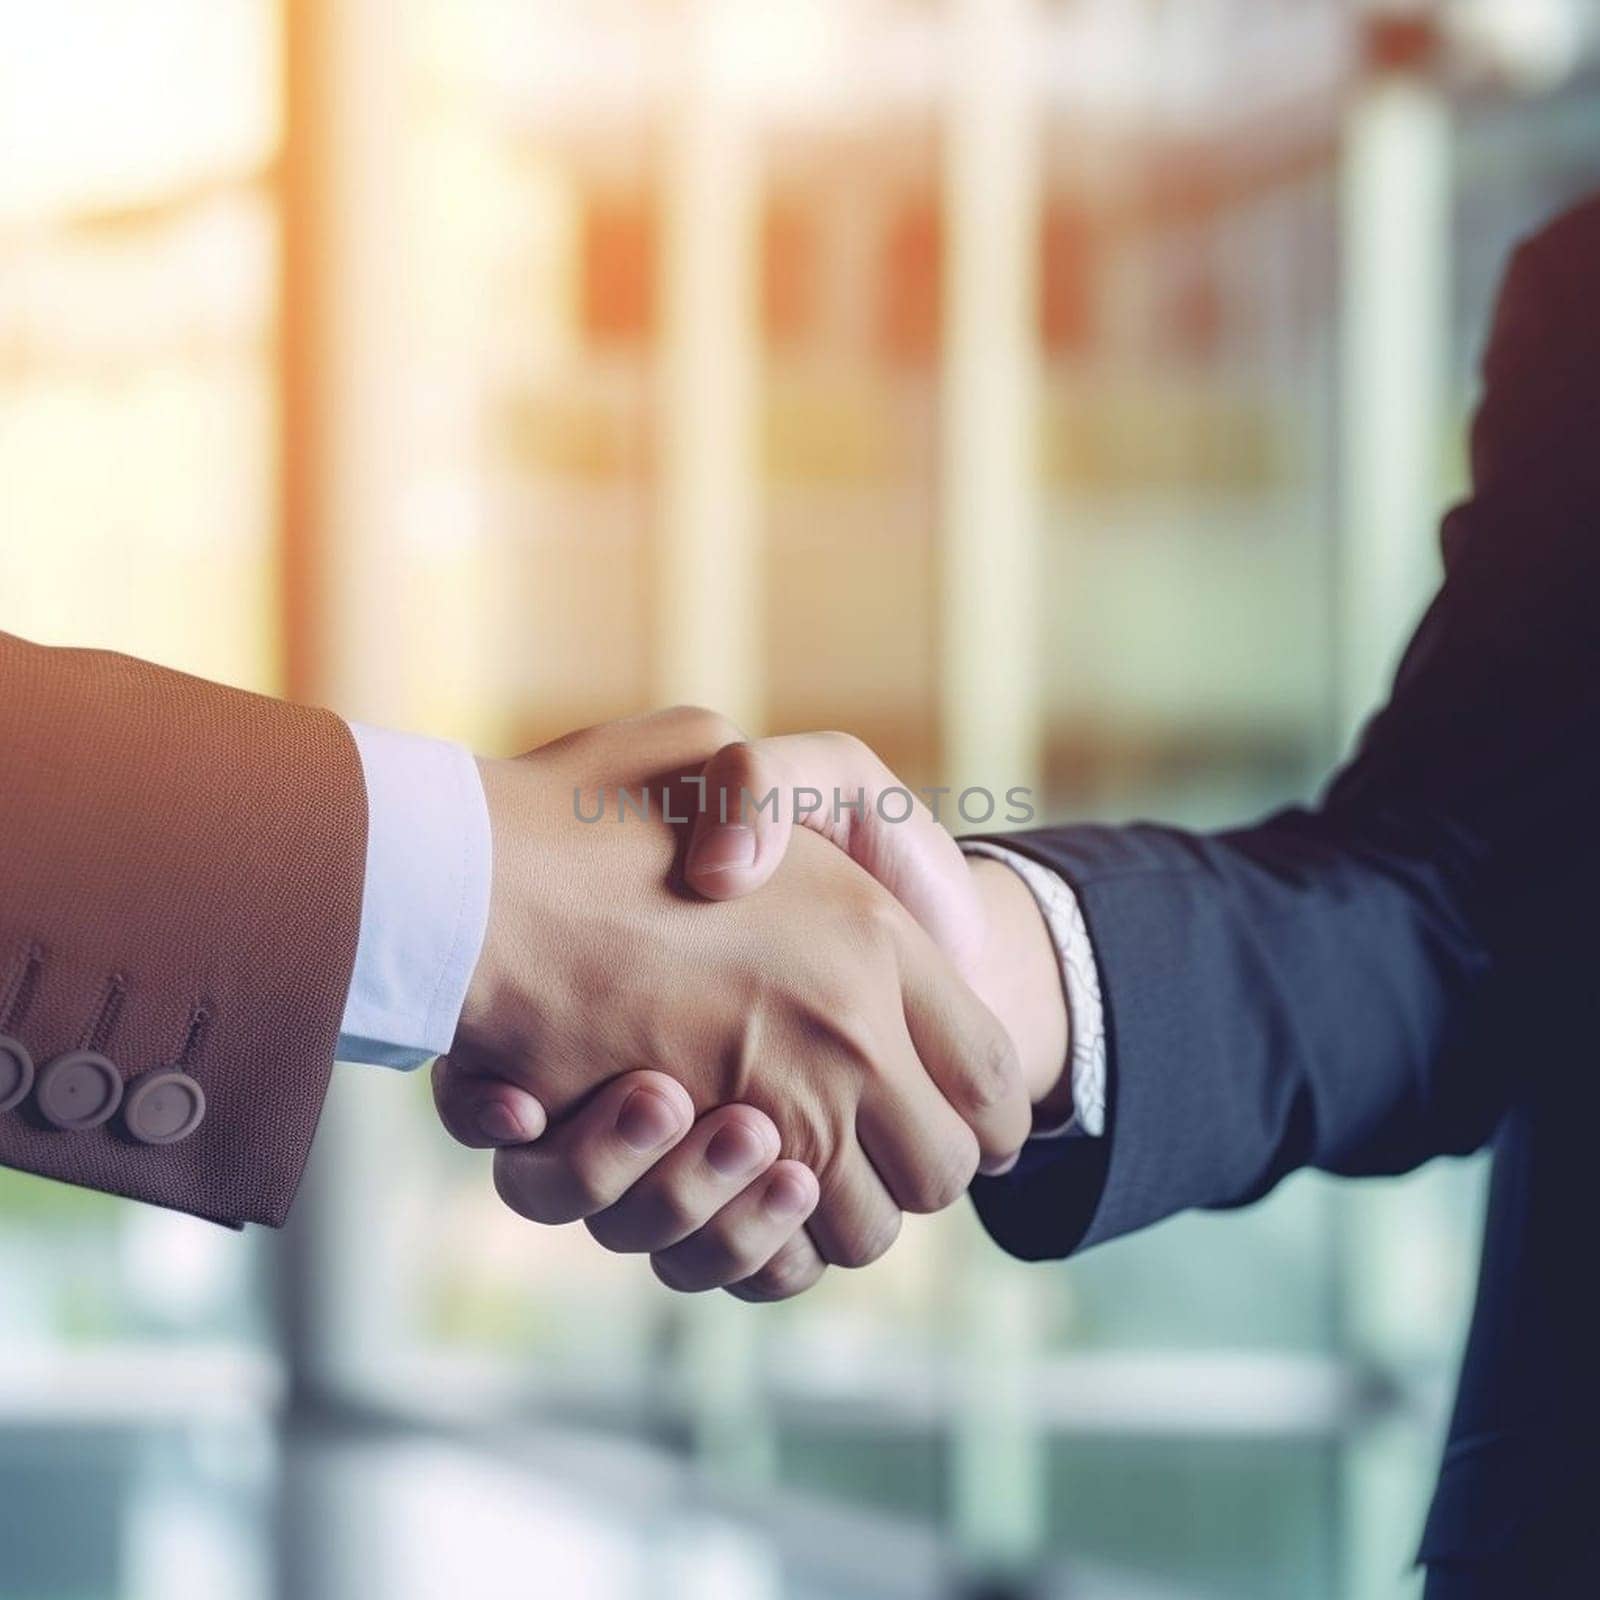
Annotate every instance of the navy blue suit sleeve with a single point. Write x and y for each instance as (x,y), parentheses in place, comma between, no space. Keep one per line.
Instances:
(1320,990)
(1274,998)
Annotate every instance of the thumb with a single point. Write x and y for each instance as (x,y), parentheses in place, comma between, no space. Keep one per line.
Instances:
(482,1111)
(834,785)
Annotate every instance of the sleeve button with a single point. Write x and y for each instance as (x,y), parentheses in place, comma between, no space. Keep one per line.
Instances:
(164,1107)
(16,1073)
(79,1091)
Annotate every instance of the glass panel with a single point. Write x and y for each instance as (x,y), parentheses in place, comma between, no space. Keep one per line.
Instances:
(137,261)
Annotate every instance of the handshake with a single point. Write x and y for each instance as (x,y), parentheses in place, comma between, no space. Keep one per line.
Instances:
(743,1047)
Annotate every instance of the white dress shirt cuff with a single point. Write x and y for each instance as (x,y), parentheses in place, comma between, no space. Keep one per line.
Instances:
(425,904)
(1080,981)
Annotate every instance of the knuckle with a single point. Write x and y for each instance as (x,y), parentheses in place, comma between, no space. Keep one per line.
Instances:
(861,763)
(721,1256)
(678,1273)
(665,1267)
(772,1283)
(945,1178)
(703,1259)
(702,726)
(510,1183)
(880,913)
(878,921)
(647,1217)
(562,1186)
(992,1074)
(867,1239)
(610,1231)
(789,1273)
(848,746)
(682,713)
(585,1191)
(675,1215)
(816,1134)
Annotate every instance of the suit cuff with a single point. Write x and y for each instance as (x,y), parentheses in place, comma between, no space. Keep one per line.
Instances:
(1080,981)
(425,902)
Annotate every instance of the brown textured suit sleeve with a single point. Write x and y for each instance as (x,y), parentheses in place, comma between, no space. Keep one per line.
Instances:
(181,870)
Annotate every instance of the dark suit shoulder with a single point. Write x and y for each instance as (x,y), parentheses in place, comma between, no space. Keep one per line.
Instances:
(1541,367)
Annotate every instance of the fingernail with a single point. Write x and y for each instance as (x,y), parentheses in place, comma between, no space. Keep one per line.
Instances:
(646,1121)
(734,1150)
(787,1196)
(722,848)
(497,1121)
(998,1169)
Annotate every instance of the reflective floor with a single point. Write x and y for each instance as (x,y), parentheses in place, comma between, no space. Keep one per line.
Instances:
(354,1511)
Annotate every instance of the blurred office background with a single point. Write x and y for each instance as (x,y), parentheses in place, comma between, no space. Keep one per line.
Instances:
(1054,393)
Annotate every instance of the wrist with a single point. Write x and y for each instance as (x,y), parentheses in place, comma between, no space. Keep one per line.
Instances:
(487,985)
(1019,979)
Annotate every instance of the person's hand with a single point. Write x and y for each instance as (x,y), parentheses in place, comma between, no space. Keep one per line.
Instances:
(838,787)
(978,911)
(709,1201)
(819,1003)
(702,1223)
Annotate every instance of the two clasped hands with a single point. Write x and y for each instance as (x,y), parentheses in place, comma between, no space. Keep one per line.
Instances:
(743,1047)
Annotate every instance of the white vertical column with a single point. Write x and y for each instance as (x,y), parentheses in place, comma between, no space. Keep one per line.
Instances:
(1395,229)
(997,1448)
(991,700)
(708,623)
(343,453)
(991,682)
(351,106)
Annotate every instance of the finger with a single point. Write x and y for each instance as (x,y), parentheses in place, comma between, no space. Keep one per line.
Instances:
(592,1156)
(968,1054)
(720,1157)
(856,1219)
(793,1270)
(852,799)
(920,1148)
(739,835)
(482,1112)
(741,1238)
